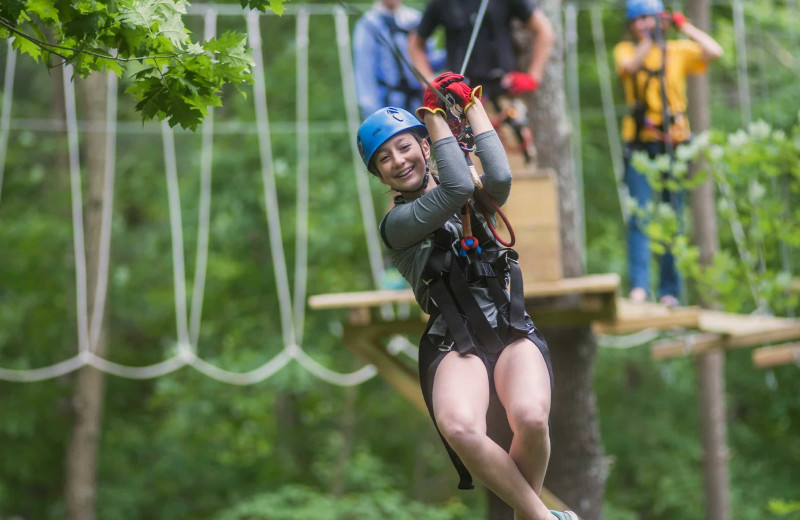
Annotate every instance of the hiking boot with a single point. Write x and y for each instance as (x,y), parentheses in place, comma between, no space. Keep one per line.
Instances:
(565,515)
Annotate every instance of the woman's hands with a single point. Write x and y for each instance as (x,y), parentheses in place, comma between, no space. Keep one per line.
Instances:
(452,84)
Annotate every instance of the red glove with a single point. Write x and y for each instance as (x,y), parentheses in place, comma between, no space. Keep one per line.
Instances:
(447,83)
(517,83)
(430,103)
(678,19)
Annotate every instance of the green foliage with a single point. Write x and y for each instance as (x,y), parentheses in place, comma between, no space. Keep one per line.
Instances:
(302,503)
(784,508)
(757,175)
(173,77)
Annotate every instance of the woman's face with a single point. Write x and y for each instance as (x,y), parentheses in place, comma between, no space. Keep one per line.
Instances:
(642,26)
(401,161)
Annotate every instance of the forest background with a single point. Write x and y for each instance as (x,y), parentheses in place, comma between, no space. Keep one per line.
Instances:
(294,447)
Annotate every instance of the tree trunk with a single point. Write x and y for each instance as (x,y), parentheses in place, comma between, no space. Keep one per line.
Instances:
(87,401)
(710,367)
(577,469)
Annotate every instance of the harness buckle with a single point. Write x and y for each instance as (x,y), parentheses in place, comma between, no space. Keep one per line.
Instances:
(444,347)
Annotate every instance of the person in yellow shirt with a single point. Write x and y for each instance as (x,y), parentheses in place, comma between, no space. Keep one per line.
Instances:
(653,72)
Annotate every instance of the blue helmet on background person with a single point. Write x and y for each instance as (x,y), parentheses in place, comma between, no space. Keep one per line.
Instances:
(636,8)
(381,126)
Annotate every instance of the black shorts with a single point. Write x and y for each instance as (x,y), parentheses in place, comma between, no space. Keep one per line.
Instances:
(431,353)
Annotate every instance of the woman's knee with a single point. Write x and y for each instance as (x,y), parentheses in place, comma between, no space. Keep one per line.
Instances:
(531,421)
(462,430)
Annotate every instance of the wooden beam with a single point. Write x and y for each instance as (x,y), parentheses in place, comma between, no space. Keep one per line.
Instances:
(359,299)
(723,330)
(766,357)
(366,341)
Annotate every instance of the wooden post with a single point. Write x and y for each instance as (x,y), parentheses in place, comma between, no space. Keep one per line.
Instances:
(711,366)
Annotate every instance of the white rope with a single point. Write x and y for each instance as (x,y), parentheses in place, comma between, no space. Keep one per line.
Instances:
(77,212)
(204,209)
(362,180)
(144,372)
(268,177)
(104,251)
(5,115)
(44,373)
(247,378)
(741,60)
(354,378)
(187,336)
(612,130)
(635,339)
(176,231)
(301,226)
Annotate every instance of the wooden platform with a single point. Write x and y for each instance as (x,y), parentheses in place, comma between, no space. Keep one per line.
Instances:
(557,302)
(722,330)
(632,317)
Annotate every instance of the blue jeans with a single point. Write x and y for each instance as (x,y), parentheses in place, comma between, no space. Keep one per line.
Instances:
(638,242)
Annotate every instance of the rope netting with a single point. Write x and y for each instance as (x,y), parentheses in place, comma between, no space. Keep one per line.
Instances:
(188,320)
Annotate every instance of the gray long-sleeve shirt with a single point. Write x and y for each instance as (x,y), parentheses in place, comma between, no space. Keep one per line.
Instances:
(408,228)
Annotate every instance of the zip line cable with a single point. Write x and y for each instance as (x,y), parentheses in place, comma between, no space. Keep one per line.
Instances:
(474,36)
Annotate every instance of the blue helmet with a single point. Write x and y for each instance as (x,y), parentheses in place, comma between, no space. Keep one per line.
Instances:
(382,125)
(636,8)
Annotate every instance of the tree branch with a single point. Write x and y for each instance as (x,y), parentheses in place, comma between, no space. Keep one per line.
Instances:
(46,46)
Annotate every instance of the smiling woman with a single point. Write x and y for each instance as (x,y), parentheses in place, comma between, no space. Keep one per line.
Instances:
(479,340)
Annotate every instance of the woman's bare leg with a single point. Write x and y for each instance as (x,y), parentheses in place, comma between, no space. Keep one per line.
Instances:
(523,386)
(460,401)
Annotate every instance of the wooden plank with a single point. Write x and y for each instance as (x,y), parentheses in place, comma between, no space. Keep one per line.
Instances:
(591,284)
(766,357)
(635,316)
(359,299)
(728,330)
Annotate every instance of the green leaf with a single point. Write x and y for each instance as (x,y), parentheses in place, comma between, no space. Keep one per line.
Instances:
(44,9)
(25,46)
(174,30)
